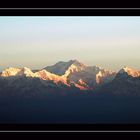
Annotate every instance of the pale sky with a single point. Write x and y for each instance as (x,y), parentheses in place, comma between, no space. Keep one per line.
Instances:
(36,42)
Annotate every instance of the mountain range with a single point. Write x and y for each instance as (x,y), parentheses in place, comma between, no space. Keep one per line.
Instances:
(69,77)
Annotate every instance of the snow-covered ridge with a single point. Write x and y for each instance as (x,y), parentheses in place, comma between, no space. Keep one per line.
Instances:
(42,74)
(45,75)
(69,68)
(65,68)
(130,71)
(76,66)
(104,74)
(72,72)
(10,72)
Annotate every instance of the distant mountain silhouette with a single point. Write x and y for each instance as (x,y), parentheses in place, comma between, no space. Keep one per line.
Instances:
(69,92)
(69,77)
(126,82)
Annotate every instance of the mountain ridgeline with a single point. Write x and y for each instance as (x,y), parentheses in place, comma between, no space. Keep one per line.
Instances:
(69,92)
(69,78)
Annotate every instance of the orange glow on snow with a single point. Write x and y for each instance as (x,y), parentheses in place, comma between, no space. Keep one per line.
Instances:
(80,87)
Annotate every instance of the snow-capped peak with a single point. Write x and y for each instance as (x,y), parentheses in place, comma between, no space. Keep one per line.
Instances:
(104,74)
(17,72)
(26,71)
(61,68)
(76,62)
(11,71)
(74,67)
(45,75)
(130,71)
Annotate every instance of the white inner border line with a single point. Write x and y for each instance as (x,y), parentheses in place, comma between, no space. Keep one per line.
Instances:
(70,131)
(75,8)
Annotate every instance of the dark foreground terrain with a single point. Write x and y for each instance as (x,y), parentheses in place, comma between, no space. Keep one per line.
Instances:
(71,109)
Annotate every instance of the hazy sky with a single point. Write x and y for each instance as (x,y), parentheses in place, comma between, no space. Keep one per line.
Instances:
(35,42)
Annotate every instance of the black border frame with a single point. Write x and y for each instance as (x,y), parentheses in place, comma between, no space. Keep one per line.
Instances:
(70,12)
(70,127)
